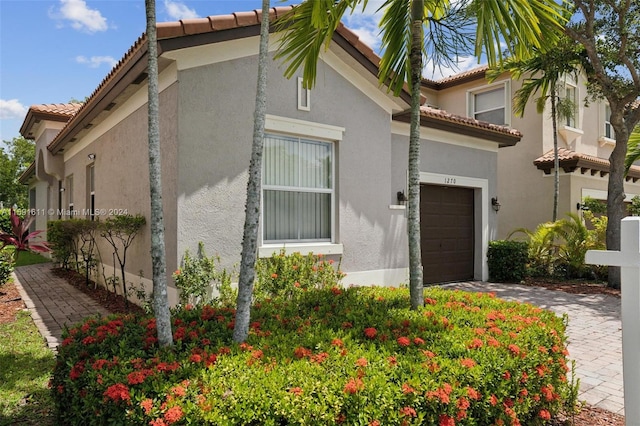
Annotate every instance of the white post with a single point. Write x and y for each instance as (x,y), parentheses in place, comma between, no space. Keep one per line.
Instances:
(628,258)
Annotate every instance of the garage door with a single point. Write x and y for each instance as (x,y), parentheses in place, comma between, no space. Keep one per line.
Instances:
(447,234)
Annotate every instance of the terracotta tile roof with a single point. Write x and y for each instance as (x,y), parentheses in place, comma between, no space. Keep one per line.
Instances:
(441,119)
(54,112)
(463,77)
(571,161)
(27,174)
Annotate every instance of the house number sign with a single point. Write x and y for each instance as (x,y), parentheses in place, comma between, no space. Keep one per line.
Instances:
(450,180)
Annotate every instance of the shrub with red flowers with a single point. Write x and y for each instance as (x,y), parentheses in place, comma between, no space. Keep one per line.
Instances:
(462,359)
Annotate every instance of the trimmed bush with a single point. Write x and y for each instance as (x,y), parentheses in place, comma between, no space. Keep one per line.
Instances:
(353,356)
(507,260)
(6,266)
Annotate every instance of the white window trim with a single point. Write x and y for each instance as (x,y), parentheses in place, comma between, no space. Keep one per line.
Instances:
(487,88)
(569,82)
(312,130)
(304,97)
(69,191)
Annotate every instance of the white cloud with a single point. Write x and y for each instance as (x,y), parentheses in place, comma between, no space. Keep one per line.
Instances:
(366,24)
(11,109)
(178,10)
(464,63)
(81,17)
(96,61)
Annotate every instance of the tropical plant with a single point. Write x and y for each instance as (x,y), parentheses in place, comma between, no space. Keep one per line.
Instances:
(576,240)
(198,276)
(634,208)
(519,23)
(607,29)
(252,209)
(158,252)
(542,248)
(545,72)
(20,237)
(633,153)
(121,230)
(593,205)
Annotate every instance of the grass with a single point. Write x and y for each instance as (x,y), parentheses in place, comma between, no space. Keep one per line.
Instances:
(25,367)
(27,258)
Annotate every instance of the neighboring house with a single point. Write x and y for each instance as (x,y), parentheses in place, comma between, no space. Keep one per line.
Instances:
(335,158)
(526,176)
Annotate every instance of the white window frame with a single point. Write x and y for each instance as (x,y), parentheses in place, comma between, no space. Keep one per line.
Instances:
(315,131)
(607,123)
(91,186)
(506,86)
(304,96)
(572,122)
(69,191)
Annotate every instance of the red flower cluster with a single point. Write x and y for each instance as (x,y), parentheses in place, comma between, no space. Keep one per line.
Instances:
(370,333)
(353,386)
(118,392)
(403,341)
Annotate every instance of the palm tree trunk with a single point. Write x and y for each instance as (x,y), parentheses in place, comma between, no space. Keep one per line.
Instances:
(416,283)
(252,210)
(158,254)
(556,160)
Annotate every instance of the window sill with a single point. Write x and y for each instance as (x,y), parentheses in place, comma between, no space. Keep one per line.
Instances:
(569,134)
(606,141)
(304,248)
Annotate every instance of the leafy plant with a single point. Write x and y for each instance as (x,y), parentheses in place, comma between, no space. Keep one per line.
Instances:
(507,260)
(20,237)
(62,236)
(594,206)
(634,207)
(197,278)
(326,357)
(121,230)
(542,248)
(285,275)
(6,266)
(576,240)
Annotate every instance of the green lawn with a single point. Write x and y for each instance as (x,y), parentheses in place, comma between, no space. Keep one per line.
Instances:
(28,258)
(25,366)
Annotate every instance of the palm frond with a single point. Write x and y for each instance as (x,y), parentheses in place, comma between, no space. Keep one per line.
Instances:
(633,149)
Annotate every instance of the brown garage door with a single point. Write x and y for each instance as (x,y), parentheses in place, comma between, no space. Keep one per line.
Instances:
(447,235)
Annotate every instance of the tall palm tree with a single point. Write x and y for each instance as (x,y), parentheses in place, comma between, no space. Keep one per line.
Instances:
(519,23)
(252,210)
(545,71)
(158,252)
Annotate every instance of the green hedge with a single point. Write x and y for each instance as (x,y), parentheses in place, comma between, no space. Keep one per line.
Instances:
(353,356)
(507,260)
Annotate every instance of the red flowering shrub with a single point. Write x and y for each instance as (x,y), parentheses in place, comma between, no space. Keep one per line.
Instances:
(463,359)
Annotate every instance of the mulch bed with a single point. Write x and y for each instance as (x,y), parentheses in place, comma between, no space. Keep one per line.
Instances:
(10,302)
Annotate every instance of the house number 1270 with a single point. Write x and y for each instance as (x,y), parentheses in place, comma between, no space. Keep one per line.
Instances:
(450,180)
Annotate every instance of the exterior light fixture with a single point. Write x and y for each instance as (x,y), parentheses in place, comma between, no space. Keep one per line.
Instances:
(62,189)
(91,156)
(495,204)
(582,207)
(402,199)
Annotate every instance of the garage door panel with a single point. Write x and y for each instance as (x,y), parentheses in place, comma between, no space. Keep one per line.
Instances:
(447,233)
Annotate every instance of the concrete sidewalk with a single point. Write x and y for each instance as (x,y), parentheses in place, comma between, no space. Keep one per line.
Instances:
(52,301)
(594,331)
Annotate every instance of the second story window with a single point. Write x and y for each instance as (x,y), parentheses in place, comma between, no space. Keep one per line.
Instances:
(490,104)
(608,128)
(570,96)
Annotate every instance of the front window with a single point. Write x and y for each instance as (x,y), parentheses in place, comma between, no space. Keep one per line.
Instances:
(69,193)
(490,105)
(298,190)
(608,128)
(570,94)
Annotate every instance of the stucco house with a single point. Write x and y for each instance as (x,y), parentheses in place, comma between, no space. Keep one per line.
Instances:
(335,163)
(526,178)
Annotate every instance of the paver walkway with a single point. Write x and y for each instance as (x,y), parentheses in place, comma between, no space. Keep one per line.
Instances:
(594,330)
(594,336)
(52,301)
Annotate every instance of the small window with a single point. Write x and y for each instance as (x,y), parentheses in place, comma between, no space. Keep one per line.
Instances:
(571,95)
(91,186)
(298,190)
(69,192)
(608,128)
(304,97)
(490,104)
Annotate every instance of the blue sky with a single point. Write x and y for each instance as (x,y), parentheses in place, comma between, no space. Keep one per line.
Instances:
(52,51)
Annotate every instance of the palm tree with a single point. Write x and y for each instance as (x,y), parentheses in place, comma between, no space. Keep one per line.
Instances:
(252,210)
(545,71)
(519,23)
(158,253)
(633,153)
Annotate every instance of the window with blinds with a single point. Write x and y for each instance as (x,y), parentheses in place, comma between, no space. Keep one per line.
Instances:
(298,189)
